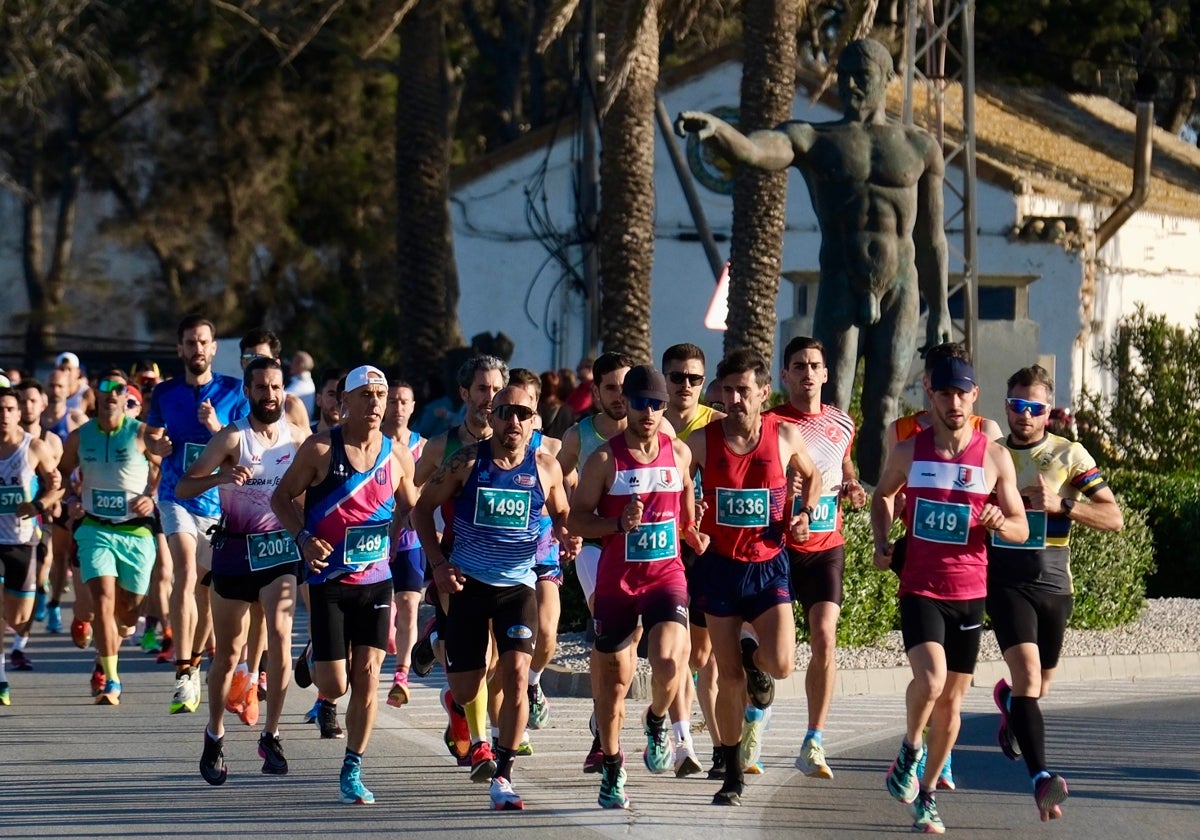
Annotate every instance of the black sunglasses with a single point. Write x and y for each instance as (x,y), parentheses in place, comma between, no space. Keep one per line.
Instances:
(506,412)
(679,377)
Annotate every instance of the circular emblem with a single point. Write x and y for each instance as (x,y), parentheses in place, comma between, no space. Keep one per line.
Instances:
(709,168)
(833,433)
(381,476)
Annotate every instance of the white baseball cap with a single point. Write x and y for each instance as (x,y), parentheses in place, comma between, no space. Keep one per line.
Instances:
(69,359)
(364,375)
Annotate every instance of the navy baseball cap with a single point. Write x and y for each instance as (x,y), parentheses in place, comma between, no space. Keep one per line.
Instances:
(952,373)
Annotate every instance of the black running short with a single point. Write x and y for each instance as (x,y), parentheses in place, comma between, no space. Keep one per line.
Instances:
(512,611)
(816,576)
(18,569)
(955,625)
(1027,617)
(345,616)
(246,587)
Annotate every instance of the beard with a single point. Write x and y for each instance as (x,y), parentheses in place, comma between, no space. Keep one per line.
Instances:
(197,368)
(266,415)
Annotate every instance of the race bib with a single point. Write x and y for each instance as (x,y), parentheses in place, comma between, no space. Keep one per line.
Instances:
(11,498)
(941,522)
(504,509)
(110,503)
(651,542)
(191,451)
(365,545)
(271,549)
(1037,533)
(824,513)
(743,508)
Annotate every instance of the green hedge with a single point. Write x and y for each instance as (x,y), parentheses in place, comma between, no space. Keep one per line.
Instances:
(1109,571)
(1172,506)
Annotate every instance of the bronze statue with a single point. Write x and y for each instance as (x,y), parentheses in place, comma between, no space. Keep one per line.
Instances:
(876,187)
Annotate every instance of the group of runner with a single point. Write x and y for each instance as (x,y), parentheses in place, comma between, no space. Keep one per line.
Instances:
(693,528)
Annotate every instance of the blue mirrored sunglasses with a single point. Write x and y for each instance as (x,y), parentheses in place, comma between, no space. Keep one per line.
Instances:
(1019,406)
(646,403)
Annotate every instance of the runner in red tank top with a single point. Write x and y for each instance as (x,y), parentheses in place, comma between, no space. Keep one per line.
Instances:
(950,470)
(744,573)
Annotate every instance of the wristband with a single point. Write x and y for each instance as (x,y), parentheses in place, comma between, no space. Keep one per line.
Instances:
(621,529)
(807,512)
(301,538)
(39,507)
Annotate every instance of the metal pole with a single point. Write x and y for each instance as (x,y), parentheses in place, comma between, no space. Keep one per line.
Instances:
(970,223)
(679,162)
(589,172)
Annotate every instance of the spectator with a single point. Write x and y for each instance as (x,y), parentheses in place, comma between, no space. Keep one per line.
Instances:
(556,415)
(580,399)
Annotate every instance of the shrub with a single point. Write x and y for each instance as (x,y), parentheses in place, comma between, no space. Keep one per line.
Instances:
(1172,508)
(574,616)
(1109,571)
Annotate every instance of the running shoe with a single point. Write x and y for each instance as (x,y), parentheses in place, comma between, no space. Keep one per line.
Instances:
(422,652)
(54,619)
(686,762)
(483,762)
(81,633)
(717,771)
(399,694)
(271,752)
(612,786)
(730,792)
(302,671)
(750,748)
(111,695)
(458,734)
(236,701)
(945,780)
(353,791)
(525,748)
(311,715)
(250,708)
(657,754)
(261,686)
(98,679)
(187,692)
(20,662)
(925,815)
(902,781)
(504,798)
(1001,694)
(5,695)
(1050,792)
(166,652)
(539,707)
(327,721)
(594,762)
(212,760)
(759,684)
(39,604)
(149,642)
(812,760)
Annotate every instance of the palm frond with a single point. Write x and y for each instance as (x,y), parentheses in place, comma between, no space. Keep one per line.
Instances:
(858,25)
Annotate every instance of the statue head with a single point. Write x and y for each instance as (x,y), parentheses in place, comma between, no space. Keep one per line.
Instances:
(865,68)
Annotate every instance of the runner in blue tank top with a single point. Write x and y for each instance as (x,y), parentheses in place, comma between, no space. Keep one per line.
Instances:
(499,487)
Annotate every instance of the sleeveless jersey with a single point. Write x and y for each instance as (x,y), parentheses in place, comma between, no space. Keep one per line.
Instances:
(16,488)
(497,520)
(947,547)
(745,495)
(113,469)
(631,560)
(173,406)
(60,428)
(247,509)
(1042,562)
(589,440)
(828,436)
(352,511)
(908,425)
(702,417)
(407,539)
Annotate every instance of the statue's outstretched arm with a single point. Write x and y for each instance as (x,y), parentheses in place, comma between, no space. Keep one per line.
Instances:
(767,149)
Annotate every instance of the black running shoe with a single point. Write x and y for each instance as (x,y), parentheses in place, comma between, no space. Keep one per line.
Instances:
(759,684)
(271,752)
(212,760)
(301,673)
(19,661)
(422,652)
(730,793)
(327,720)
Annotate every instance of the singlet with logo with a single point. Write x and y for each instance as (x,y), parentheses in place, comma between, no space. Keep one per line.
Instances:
(114,470)
(908,425)
(745,495)
(1042,562)
(947,547)
(828,435)
(497,520)
(702,417)
(173,406)
(16,488)
(352,511)
(60,427)
(407,539)
(650,552)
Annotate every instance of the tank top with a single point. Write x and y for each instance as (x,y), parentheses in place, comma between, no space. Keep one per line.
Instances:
(352,511)
(497,520)
(702,417)
(589,440)
(828,435)
(60,428)
(114,471)
(651,549)
(247,509)
(910,424)
(745,495)
(407,539)
(16,488)
(947,547)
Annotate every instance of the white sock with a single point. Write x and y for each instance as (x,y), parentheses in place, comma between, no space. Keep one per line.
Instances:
(243,668)
(535,677)
(683,731)
(3,676)
(19,642)
(495,732)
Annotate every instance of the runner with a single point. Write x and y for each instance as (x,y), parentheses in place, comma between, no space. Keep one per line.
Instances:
(818,563)
(744,573)
(185,412)
(115,540)
(61,420)
(1030,594)
(354,483)
(498,487)
(328,400)
(32,397)
(949,471)
(635,493)
(262,342)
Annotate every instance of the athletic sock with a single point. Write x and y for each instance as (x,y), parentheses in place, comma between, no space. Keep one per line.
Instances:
(352,758)
(108,664)
(733,767)
(20,641)
(504,763)
(535,677)
(682,729)
(475,712)
(3,676)
(196,659)
(1027,726)
(654,721)
(182,666)
(814,735)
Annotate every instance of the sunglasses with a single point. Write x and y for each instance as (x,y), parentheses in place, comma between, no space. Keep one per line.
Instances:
(506,412)
(131,404)
(1019,406)
(111,386)
(679,377)
(646,404)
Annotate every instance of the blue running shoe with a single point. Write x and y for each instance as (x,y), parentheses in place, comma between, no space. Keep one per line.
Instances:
(657,754)
(612,788)
(902,781)
(353,792)
(39,605)
(945,778)
(925,815)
